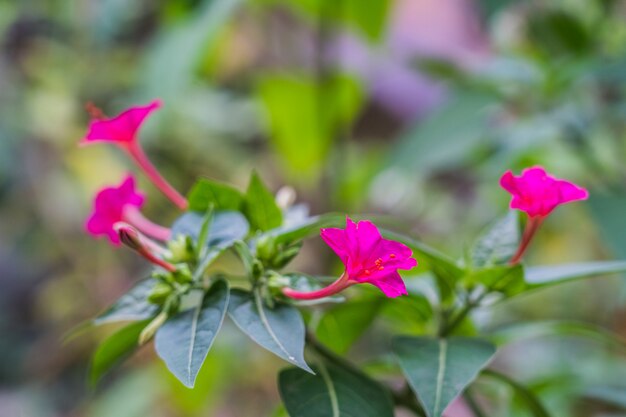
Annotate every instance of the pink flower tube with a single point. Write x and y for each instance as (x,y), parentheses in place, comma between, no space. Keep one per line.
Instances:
(537,193)
(121,203)
(122,130)
(368,259)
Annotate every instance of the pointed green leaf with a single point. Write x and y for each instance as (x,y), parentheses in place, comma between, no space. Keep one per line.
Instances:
(499,243)
(183,342)
(132,306)
(438,370)
(115,349)
(332,392)
(221,196)
(279,330)
(541,276)
(260,206)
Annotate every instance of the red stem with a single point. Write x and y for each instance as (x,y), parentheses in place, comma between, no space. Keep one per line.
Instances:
(133,216)
(139,156)
(529,232)
(340,284)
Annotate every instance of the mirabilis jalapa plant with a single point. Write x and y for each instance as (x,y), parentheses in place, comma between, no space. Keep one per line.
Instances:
(183,302)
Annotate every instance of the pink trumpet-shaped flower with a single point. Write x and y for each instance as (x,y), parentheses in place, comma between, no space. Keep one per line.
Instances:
(123,130)
(538,193)
(121,203)
(368,259)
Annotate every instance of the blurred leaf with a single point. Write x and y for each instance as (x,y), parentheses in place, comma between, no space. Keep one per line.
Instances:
(499,243)
(613,395)
(184,340)
(439,369)
(369,21)
(541,276)
(608,213)
(132,306)
(175,54)
(306,228)
(447,137)
(506,279)
(114,350)
(529,399)
(342,325)
(445,269)
(222,196)
(491,7)
(554,328)
(409,314)
(279,330)
(226,227)
(302,134)
(558,32)
(333,391)
(260,206)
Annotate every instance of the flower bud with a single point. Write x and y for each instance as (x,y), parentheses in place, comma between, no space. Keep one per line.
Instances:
(148,332)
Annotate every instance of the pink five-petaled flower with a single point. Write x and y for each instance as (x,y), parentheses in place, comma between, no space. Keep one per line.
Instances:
(121,203)
(123,130)
(368,259)
(538,193)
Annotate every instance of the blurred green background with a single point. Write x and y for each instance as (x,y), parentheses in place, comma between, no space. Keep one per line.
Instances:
(405,109)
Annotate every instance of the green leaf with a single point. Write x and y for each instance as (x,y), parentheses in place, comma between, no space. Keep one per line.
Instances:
(183,342)
(279,330)
(558,32)
(221,196)
(499,243)
(447,137)
(343,324)
(260,206)
(554,328)
(132,306)
(306,228)
(115,349)
(524,394)
(439,369)
(172,59)
(332,392)
(444,268)
(541,276)
(608,213)
(506,279)
(226,227)
(369,22)
(303,135)
(612,395)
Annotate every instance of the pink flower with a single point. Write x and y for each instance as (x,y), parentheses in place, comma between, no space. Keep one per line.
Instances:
(121,129)
(538,193)
(121,203)
(368,259)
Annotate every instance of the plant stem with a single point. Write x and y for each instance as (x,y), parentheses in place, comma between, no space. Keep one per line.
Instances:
(138,155)
(531,228)
(473,404)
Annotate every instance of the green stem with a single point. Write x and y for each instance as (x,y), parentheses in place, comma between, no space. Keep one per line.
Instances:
(473,404)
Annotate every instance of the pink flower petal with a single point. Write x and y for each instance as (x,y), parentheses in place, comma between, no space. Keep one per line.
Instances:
(122,128)
(391,285)
(538,193)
